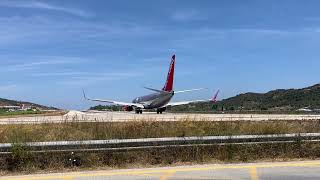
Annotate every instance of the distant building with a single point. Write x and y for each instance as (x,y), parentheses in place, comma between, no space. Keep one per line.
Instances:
(10,108)
(22,107)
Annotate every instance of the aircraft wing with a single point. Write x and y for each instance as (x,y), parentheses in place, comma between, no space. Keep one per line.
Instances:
(213,99)
(185,102)
(114,102)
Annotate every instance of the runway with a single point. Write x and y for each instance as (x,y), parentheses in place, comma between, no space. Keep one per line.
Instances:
(77,116)
(252,171)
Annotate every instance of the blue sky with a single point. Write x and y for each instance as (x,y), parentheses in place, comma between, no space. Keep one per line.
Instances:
(51,50)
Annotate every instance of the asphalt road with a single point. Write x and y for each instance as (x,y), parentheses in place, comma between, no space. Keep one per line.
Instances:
(128,116)
(285,170)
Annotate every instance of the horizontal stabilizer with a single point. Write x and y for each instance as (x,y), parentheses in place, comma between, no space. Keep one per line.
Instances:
(156,90)
(189,90)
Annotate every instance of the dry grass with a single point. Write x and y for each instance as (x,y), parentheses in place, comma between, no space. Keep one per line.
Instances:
(147,129)
(26,162)
(31,114)
(21,160)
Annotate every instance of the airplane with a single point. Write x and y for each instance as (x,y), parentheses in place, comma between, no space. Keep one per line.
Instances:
(160,99)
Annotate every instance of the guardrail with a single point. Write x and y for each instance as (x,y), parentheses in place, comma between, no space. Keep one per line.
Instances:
(148,143)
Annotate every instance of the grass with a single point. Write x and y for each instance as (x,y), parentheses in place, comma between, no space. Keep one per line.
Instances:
(147,129)
(5,114)
(9,113)
(22,161)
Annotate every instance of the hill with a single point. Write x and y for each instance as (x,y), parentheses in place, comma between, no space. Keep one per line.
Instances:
(7,102)
(280,100)
(276,100)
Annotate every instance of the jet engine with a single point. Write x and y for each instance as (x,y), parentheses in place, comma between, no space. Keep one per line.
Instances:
(127,108)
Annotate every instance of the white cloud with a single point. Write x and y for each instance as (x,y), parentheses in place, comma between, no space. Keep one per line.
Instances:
(47,74)
(45,30)
(44,6)
(42,61)
(263,31)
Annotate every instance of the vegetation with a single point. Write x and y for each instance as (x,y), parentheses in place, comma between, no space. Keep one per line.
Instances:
(4,112)
(6,102)
(147,129)
(106,108)
(24,161)
(274,101)
(277,101)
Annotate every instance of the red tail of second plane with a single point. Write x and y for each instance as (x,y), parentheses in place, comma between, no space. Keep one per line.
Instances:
(214,98)
(169,83)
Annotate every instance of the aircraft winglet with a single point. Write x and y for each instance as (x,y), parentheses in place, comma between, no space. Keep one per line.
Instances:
(214,98)
(84,95)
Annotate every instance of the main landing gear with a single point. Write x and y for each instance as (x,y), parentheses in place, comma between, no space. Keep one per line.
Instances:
(160,110)
(138,111)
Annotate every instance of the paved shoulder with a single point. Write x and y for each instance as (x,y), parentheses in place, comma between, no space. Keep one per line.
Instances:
(254,171)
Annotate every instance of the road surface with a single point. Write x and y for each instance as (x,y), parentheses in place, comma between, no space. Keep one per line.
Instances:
(285,170)
(76,116)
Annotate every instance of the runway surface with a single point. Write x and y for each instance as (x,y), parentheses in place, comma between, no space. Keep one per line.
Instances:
(254,171)
(129,116)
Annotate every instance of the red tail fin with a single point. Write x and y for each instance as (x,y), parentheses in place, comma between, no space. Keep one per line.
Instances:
(169,83)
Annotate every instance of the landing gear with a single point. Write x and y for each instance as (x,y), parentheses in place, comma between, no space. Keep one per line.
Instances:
(159,111)
(138,111)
